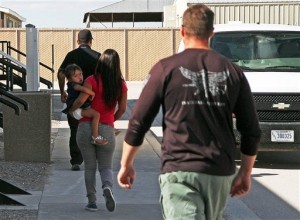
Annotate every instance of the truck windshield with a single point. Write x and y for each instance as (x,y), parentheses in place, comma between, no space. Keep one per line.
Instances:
(258,50)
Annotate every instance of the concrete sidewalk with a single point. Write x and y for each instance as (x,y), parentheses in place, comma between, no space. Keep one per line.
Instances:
(64,197)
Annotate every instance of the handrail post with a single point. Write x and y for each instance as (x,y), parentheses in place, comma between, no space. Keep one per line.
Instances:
(32,59)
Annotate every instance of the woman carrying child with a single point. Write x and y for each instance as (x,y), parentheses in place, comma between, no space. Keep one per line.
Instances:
(110,91)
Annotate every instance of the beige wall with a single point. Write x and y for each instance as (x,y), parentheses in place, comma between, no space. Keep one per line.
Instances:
(139,49)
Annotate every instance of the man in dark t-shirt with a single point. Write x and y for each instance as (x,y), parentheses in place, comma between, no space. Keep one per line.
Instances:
(86,59)
(198,90)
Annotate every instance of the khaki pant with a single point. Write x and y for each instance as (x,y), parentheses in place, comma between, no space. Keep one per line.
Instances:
(191,195)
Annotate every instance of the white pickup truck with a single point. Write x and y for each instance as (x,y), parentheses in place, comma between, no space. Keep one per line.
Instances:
(269,54)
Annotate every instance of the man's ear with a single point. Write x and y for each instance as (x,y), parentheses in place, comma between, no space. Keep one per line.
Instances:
(182,31)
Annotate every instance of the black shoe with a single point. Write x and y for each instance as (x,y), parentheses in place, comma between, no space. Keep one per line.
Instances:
(109,199)
(75,167)
(91,207)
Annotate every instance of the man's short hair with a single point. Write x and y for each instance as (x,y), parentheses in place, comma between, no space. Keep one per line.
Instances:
(85,36)
(198,21)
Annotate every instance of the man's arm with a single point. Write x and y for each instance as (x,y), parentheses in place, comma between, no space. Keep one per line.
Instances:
(241,184)
(141,119)
(61,83)
(126,175)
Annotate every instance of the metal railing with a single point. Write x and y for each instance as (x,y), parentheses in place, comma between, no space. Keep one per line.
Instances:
(14,71)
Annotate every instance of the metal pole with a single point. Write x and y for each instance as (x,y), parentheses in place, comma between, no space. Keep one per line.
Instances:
(32,59)
(52,47)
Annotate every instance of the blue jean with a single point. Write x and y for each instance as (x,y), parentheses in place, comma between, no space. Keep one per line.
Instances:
(96,157)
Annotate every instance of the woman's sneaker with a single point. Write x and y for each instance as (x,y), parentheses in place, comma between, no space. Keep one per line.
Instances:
(91,207)
(109,199)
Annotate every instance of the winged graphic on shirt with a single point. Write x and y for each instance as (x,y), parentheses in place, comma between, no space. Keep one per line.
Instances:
(213,82)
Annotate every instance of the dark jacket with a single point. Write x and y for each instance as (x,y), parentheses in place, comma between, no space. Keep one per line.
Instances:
(198,91)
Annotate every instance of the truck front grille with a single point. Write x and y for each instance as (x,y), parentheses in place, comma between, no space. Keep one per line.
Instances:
(267,112)
(278,116)
(276,98)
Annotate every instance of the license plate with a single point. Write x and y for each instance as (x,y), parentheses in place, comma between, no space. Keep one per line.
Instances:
(282,136)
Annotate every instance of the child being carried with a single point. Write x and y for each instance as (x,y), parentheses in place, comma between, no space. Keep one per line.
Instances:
(73,73)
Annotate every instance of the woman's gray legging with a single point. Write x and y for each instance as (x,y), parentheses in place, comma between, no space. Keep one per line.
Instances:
(94,155)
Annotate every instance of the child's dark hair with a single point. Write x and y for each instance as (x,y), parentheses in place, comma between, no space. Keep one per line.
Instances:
(70,70)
